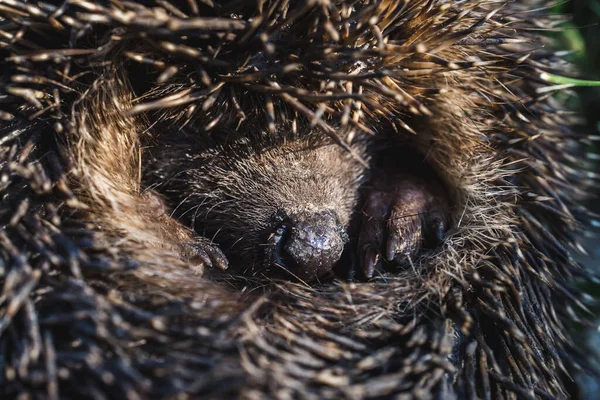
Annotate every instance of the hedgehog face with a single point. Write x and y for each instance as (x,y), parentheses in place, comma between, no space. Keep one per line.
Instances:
(271,206)
(294,205)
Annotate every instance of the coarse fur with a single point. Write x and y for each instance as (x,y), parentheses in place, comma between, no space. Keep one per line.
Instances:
(237,191)
(96,299)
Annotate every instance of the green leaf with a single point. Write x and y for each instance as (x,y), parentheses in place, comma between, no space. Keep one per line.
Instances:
(566,81)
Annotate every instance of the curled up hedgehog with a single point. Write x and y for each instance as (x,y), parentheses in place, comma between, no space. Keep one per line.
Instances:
(287,199)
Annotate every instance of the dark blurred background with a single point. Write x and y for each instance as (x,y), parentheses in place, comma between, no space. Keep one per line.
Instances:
(582,37)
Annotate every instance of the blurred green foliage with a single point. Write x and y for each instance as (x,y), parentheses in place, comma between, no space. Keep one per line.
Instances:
(581,36)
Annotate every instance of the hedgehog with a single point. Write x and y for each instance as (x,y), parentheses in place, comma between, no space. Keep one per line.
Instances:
(294,199)
(285,199)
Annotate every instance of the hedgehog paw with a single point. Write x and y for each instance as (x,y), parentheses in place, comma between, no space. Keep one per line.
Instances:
(402,214)
(203,253)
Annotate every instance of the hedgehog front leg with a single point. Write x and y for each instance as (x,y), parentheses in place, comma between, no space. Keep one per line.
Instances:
(403,212)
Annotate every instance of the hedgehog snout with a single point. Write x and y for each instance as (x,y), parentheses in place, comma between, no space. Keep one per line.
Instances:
(308,244)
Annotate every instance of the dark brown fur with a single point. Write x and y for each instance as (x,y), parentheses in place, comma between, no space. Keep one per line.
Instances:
(237,192)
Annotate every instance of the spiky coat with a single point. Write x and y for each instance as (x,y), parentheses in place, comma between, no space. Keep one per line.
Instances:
(94,304)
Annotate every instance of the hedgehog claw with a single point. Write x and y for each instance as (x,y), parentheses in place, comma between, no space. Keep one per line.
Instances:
(438,228)
(206,254)
(370,260)
(393,244)
(410,210)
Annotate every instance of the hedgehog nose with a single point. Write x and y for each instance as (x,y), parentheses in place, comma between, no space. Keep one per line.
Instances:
(311,243)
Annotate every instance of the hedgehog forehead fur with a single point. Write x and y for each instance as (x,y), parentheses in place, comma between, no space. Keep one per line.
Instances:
(95,300)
